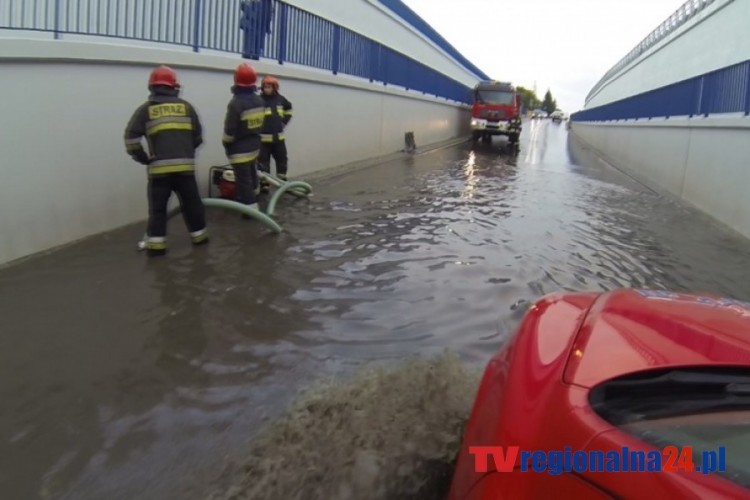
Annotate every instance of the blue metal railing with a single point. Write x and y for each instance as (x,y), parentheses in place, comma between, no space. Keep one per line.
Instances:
(726,90)
(268,29)
(681,16)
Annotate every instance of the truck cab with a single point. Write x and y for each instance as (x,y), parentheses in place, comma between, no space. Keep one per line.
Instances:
(495,110)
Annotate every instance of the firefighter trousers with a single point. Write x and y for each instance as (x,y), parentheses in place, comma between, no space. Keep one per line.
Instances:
(277,150)
(245,178)
(160,189)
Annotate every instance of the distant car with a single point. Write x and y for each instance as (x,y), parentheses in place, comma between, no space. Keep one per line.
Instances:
(557,116)
(538,113)
(601,372)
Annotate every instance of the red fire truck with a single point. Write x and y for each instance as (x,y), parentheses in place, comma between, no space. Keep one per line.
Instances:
(496,110)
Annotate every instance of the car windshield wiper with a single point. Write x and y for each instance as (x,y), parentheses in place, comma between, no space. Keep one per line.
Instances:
(672,393)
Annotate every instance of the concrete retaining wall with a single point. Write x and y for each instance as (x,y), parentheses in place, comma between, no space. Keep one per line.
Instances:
(66,103)
(702,162)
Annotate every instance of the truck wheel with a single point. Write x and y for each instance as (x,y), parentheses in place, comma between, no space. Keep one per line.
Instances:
(487,139)
(513,138)
(475,137)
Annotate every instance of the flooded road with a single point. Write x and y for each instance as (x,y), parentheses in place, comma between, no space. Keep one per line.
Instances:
(124,377)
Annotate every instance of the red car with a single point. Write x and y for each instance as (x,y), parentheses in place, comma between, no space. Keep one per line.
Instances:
(628,374)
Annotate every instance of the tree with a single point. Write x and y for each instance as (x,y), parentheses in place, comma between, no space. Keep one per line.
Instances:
(528,98)
(549,105)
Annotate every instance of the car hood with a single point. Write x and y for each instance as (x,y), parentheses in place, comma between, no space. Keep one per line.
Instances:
(628,330)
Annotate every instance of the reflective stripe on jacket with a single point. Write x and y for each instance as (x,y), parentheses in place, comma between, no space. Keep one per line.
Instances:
(172,130)
(242,125)
(277,113)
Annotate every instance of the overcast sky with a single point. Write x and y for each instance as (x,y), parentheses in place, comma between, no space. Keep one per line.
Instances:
(563,45)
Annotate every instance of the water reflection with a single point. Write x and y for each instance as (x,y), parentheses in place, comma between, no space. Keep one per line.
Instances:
(471,177)
(180,339)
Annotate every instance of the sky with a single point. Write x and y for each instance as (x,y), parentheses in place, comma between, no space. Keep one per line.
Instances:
(565,46)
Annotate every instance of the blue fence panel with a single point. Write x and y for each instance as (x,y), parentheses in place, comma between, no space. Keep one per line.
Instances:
(355,54)
(39,15)
(165,21)
(219,22)
(310,40)
(726,90)
(256,29)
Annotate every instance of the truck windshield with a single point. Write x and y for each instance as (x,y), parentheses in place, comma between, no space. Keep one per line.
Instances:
(494,97)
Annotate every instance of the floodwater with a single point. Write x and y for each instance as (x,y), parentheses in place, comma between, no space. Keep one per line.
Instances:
(124,377)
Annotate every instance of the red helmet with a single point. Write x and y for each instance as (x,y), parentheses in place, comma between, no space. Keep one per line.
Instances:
(245,75)
(270,80)
(163,75)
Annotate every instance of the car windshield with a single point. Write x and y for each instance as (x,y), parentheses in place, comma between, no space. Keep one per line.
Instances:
(494,97)
(705,433)
(706,409)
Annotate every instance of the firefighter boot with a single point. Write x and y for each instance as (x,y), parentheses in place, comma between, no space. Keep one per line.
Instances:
(156,246)
(199,237)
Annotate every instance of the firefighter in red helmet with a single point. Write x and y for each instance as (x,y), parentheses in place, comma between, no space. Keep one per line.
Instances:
(173,132)
(278,113)
(242,124)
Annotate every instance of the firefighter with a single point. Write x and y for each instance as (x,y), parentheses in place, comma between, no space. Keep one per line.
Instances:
(173,132)
(242,125)
(277,114)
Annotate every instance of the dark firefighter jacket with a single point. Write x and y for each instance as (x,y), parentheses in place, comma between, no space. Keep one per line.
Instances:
(242,125)
(172,130)
(277,113)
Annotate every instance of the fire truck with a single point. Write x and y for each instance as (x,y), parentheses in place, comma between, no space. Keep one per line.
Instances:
(495,110)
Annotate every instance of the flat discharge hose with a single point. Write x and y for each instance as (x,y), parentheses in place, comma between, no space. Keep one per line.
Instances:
(238,207)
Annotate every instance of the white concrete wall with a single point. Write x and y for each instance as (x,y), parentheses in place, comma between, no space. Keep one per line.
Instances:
(65,173)
(716,37)
(371,19)
(701,162)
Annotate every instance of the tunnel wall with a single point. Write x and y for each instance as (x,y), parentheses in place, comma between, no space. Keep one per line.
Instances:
(704,165)
(688,44)
(360,74)
(65,106)
(677,115)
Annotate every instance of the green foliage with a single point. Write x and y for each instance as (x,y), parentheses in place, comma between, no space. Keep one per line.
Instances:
(528,98)
(549,105)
